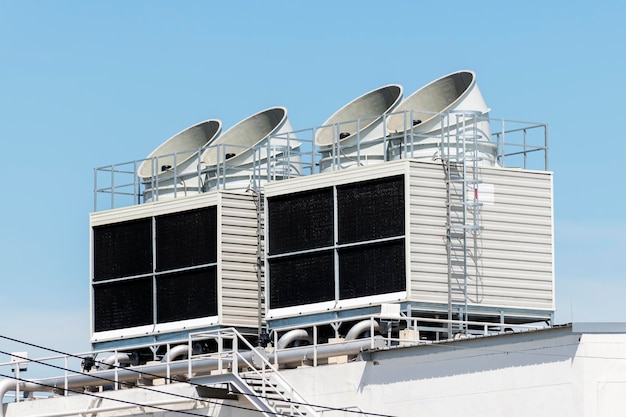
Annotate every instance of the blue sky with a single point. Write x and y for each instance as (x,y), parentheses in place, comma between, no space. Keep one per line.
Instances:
(87,84)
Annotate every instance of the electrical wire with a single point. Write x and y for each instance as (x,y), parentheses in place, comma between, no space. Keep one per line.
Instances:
(115,382)
(134,404)
(291,402)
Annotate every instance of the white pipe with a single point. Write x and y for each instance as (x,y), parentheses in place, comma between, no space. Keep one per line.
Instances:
(359,328)
(175,352)
(292,335)
(131,374)
(7,385)
(116,358)
(298,354)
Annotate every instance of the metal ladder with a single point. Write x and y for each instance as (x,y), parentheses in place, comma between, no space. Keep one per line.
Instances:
(460,157)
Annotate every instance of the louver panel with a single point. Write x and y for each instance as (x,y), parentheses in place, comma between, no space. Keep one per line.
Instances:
(122,249)
(302,279)
(372,269)
(301,221)
(122,304)
(187,238)
(371,210)
(187,295)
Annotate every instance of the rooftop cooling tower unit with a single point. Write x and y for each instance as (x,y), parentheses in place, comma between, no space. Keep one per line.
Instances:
(450,107)
(172,169)
(354,135)
(258,149)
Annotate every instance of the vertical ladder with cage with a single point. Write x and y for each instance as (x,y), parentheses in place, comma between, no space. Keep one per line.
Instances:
(460,156)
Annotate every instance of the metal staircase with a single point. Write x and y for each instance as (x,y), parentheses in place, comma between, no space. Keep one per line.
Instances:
(275,394)
(249,373)
(460,157)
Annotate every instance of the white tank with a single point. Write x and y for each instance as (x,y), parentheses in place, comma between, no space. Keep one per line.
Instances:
(354,134)
(450,106)
(171,170)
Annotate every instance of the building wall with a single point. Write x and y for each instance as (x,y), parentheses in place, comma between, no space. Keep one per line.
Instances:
(553,372)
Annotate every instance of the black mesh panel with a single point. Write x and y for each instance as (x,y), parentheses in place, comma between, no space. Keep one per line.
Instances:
(371,209)
(188,238)
(122,249)
(302,279)
(122,304)
(187,295)
(301,221)
(372,269)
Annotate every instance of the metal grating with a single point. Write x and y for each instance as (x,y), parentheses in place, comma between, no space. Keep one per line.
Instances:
(185,239)
(301,221)
(186,295)
(372,269)
(122,249)
(370,210)
(302,279)
(122,304)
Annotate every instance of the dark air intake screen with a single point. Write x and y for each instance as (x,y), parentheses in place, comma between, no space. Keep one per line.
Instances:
(302,279)
(300,221)
(186,239)
(372,269)
(122,304)
(187,295)
(122,249)
(371,209)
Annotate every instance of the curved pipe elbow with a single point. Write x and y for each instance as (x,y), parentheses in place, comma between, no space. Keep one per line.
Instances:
(119,358)
(7,385)
(175,352)
(292,336)
(360,328)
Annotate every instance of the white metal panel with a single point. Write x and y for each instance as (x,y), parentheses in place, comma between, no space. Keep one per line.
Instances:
(335,178)
(154,208)
(238,258)
(427,233)
(516,250)
(515,247)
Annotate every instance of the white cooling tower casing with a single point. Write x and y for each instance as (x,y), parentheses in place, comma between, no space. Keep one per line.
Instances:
(451,106)
(171,170)
(354,134)
(260,146)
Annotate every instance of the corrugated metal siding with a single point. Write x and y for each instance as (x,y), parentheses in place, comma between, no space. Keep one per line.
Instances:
(516,243)
(515,265)
(239,287)
(427,234)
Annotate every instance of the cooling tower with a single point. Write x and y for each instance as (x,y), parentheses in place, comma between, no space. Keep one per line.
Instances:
(354,135)
(254,151)
(435,120)
(172,169)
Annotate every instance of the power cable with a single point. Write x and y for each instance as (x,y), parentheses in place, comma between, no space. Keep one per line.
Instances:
(134,404)
(169,379)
